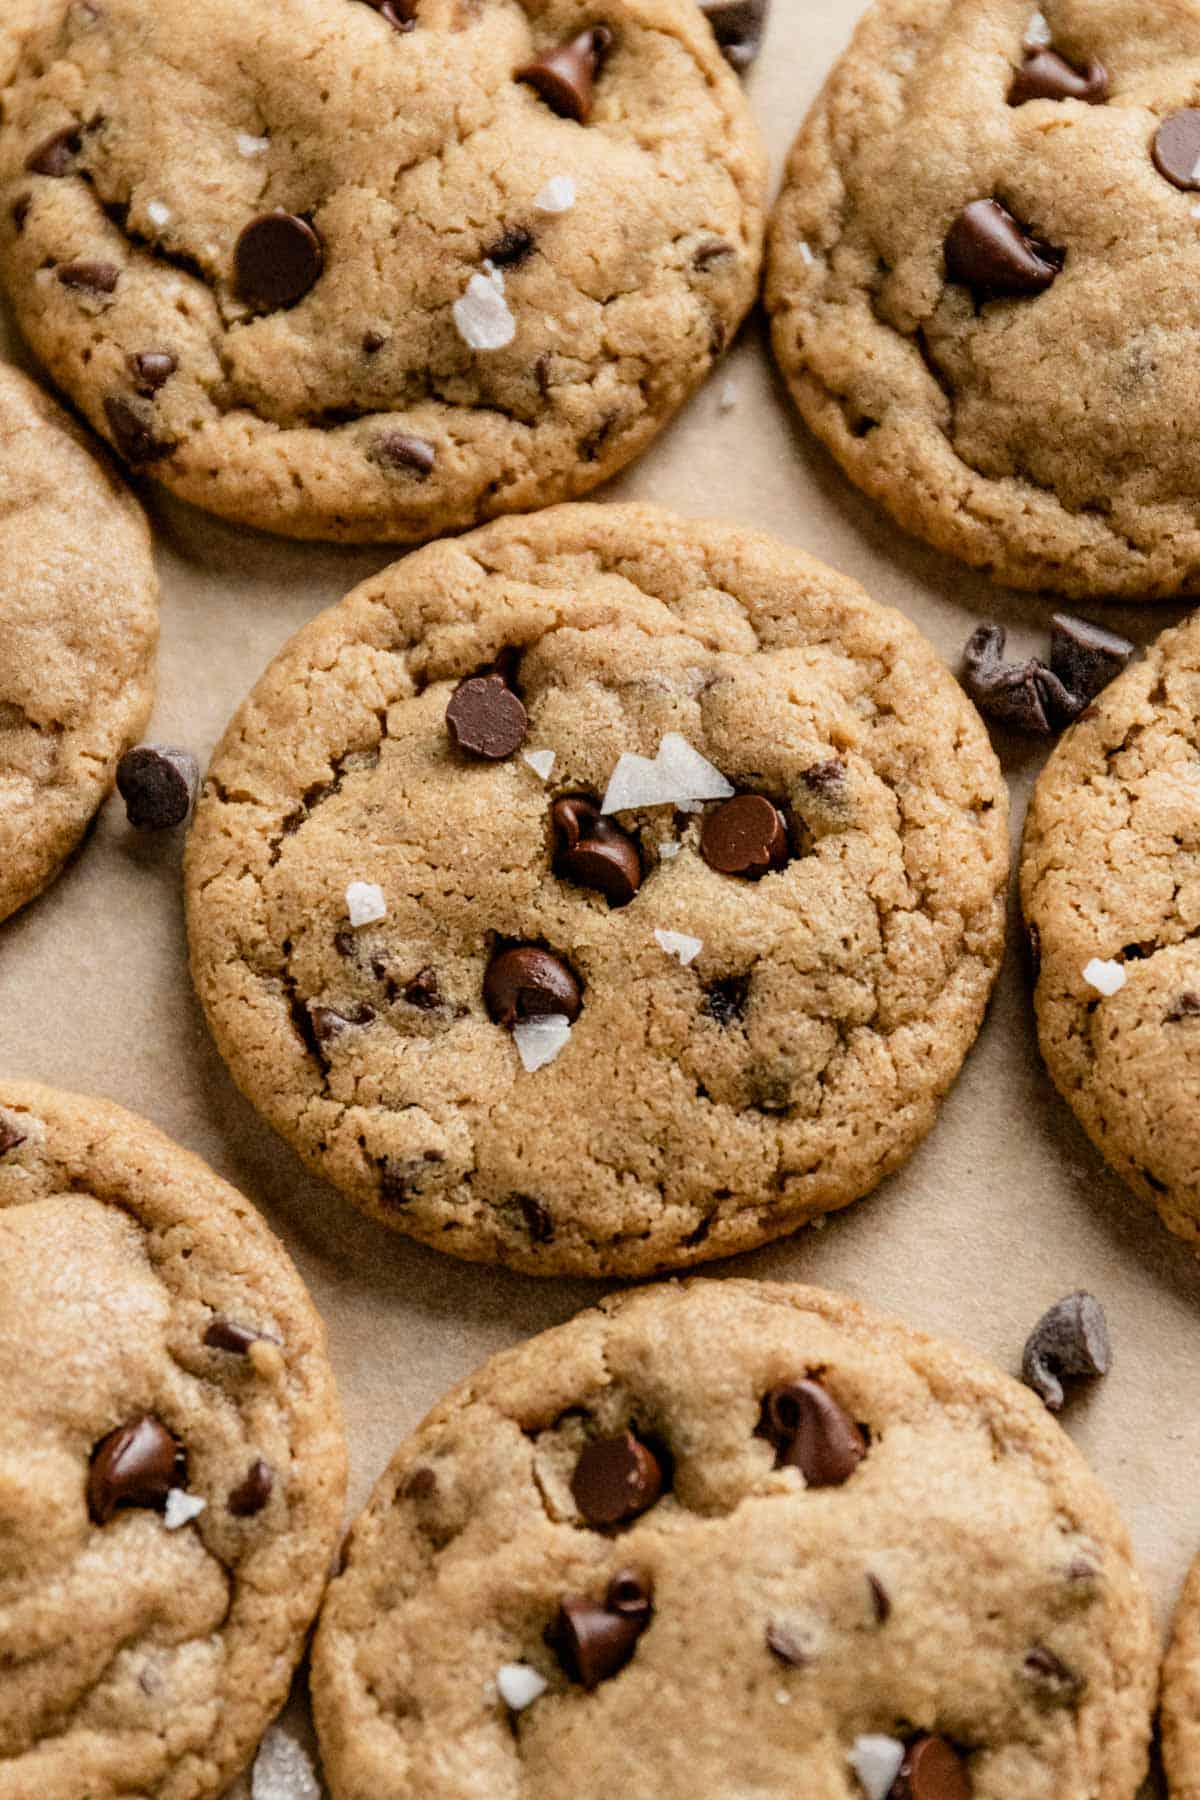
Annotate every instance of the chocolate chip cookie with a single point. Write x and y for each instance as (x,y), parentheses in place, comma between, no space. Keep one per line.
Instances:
(78,633)
(1180,1715)
(376,269)
(727,1538)
(984,284)
(172,1469)
(601,892)
(1109,884)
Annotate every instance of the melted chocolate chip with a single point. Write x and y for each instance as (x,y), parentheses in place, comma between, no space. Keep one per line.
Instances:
(881,1600)
(1177,148)
(90,277)
(151,370)
(812,1433)
(932,1770)
(423,991)
(512,249)
(134,430)
(594,1643)
(595,852)
(527,982)
(158,784)
(399,450)
(136,1465)
(57,155)
(616,1480)
(745,836)
(1069,1340)
(485,718)
(565,77)
(739,26)
(329,1022)
(1045,75)
(226,1334)
(252,1494)
(277,260)
(987,251)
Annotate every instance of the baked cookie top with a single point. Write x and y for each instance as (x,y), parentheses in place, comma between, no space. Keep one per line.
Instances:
(78,633)
(172,1470)
(375,271)
(527,1030)
(1110,881)
(730,1538)
(984,283)
(1180,1713)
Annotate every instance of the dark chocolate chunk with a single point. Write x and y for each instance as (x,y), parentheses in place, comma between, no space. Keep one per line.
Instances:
(1045,75)
(399,450)
(136,1465)
(565,77)
(1069,1340)
(739,26)
(527,982)
(745,836)
(277,260)
(90,277)
(1177,148)
(594,1642)
(57,155)
(1085,657)
(485,718)
(616,1480)
(987,251)
(595,852)
(158,784)
(1026,696)
(812,1433)
(252,1494)
(151,370)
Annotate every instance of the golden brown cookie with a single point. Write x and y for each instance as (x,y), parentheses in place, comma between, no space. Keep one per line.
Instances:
(172,1470)
(78,632)
(727,1538)
(984,284)
(377,269)
(1180,1711)
(601,892)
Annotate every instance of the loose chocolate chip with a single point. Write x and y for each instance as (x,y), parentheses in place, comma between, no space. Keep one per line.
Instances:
(57,154)
(932,1770)
(10,1138)
(1070,1339)
(725,1001)
(881,1600)
(399,450)
(152,369)
(1186,1007)
(136,1465)
(511,249)
(739,26)
(1053,1682)
(402,14)
(987,251)
(1045,75)
(616,1480)
(566,76)
(423,991)
(485,718)
(226,1334)
(1085,657)
(158,785)
(1026,696)
(787,1644)
(252,1494)
(530,983)
(1177,148)
(277,260)
(811,1433)
(594,1643)
(745,836)
(90,277)
(328,1022)
(595,852)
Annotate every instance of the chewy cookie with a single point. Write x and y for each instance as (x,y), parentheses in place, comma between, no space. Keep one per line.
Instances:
(78,633)
(172,1470)
(375,269)
(1110,882)
(601,892)
(984,284)
(726,1538)
(1180,1713)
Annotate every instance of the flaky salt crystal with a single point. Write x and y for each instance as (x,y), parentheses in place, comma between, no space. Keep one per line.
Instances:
(539,1041)
(482,316)
(283,1769)
(519,1685)
(158,214)
(252,146)
(679,944)
(558,196)
(876,1761)
(365,903)
(677,776)
(181,1509)
(806,254)
(540,761)
(1107,978)
(668,850)
(1038,35)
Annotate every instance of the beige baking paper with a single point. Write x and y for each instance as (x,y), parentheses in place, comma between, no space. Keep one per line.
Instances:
(1005,1208)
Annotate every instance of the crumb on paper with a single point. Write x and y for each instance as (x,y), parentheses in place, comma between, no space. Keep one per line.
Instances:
(365,903)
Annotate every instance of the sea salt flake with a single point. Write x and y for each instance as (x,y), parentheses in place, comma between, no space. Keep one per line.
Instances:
(806,253)
(482,316)
(283,1769)
(539,1041)
(1107,978)
(365,903)
(252,146)
(676,776)
(519,1685)
(1038,34)
(540,761)
(181,1509)
(876,1761)
(558,196)
(158,214)
(668,850)
(679,944)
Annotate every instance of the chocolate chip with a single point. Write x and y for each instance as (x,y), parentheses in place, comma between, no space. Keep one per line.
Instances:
(725,1001)
(1026,696)
(329,1022)
(811,1433)
(152,369)
(399,450)
(1052,1681)
(536,1219)
(421,1485)
(158,785)
(21,208)
(713,250)
(1177,148)
(373,342)
(277,260)
(10,1138)
(595,852)
(90,277)
(987,251)
(226,1334)
(252,1494)
(403,1180)
(785,1642)
(485,718)
(511,249)
(57,154)
(616,1480)
(1070,1339)
(739,26)
(1186,1007)
(745,836)
(530,983)
(1086,657)
(565,77)
(1045,75)
(881,1600)
(133,427)
(401,14)
(594,1643)
(932,1770)
(136,1465)
(423,991)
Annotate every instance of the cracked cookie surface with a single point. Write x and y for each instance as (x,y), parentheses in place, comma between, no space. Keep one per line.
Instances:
(1033,434)
(315,376)
(145,1642)
(1180,1712)
(696,1109)
(79,611)
(1110,882)
(969,1579)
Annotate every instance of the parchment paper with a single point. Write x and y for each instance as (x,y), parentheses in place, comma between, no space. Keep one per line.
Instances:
(1004,1209)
